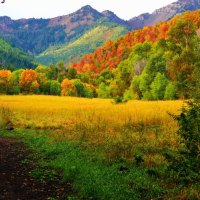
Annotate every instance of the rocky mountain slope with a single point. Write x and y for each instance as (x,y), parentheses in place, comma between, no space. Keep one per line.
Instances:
(164,14)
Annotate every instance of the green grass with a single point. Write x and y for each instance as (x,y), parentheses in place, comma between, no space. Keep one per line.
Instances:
(92,177)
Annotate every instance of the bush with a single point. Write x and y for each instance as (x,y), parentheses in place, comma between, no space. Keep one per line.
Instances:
(118,100)
(186,165)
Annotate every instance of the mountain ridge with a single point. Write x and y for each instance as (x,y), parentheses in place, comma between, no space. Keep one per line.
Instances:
(165,13)
(35,36)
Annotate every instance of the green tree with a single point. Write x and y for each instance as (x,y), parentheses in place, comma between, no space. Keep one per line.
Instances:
(170,92)
(103,91)
(144,83)
(88,92)
(14,82)
(83,77)
(52,72)
(42,80)
(135,87)
(55,88)
(71,73)
(142,50)
(156,63)
(196,87)
(79,87)
(158,86)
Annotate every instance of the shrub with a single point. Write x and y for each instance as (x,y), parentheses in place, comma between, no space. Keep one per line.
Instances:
(187,163)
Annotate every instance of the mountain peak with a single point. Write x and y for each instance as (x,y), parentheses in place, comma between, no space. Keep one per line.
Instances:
(87,8)
(108,12)
(114,18)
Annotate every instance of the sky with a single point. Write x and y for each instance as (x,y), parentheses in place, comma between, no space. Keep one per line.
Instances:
(124,9)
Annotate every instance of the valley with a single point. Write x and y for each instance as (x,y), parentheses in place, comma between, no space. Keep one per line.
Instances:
(93,106)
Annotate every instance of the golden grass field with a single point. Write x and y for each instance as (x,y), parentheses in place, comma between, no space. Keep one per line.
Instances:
(98,121)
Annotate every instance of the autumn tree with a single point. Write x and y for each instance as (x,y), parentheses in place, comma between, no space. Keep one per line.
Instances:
(68,88)
(28,81)
(4,80)
(182,33)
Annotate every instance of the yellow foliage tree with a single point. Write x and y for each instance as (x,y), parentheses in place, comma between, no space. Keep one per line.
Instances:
(68,88)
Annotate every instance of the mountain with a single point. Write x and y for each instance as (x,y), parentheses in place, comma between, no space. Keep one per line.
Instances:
(13,58)
(87,43)
(61,37)
(164,14)
(114,18)
(36,35)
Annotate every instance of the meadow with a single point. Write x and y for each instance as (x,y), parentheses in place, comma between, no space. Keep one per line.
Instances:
(119,150)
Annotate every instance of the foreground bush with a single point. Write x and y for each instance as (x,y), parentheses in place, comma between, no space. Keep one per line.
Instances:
(187,163)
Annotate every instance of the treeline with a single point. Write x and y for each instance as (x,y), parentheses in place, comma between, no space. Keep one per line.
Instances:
(52,80)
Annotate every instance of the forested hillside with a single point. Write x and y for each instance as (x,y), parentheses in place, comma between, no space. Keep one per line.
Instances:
(87,43)
(36,35)
(154,63)
(13,58)
(147,63)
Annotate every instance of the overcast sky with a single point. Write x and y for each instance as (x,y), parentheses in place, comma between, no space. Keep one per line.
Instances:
(125,9)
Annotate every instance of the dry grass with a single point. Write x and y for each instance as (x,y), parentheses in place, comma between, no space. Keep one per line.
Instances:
(54,112)
(120,128)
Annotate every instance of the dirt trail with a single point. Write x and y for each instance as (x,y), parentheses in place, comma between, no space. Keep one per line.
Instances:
(15,180)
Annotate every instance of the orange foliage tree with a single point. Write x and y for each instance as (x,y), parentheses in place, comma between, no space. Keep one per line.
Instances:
(28,81)
(68,88)
(4,80)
